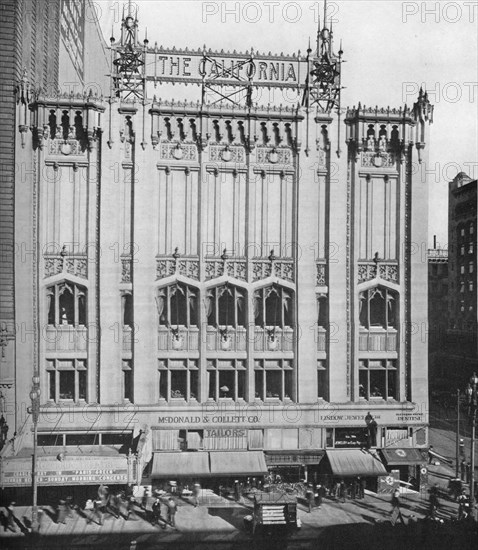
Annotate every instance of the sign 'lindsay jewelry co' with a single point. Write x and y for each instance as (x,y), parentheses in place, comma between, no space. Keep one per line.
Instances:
(225,69)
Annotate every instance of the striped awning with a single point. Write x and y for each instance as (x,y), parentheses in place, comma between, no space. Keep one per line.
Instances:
(173,465)
(396,457)
(355,462)
(238,463)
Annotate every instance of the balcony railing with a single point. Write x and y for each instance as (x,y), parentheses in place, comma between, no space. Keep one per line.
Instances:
(378,340)
(281,340)
(66,338)
(186,339)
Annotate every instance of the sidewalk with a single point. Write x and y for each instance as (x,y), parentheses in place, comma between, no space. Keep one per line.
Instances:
(218,518)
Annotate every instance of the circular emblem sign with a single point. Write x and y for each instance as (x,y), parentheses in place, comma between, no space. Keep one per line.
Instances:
(401,453)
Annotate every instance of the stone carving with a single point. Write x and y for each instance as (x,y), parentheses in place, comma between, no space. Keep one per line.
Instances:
(236,269)
(65,147)
(54,265)
(176,151)
(283,269)
(321,280)
(386,271)
(126,270)
(165,267)
(279,155)
(370,159)
(217,153)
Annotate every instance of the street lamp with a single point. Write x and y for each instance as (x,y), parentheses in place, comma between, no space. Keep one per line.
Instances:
(34,410)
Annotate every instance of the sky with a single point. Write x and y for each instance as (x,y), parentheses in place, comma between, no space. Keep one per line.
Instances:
(391,48)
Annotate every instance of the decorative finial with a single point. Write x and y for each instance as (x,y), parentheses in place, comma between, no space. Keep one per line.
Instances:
(176,253)
(224,255)
(272,256)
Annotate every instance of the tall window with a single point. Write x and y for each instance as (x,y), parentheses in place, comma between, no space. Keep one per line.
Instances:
(378,308)
(127,309)
(273,379)
(67,379)
(321,380)
(273,307)
(177,305)
(226,379)
(178,379)
(226,306)
(322,311)
(127,380)
(377,379)
(66,304)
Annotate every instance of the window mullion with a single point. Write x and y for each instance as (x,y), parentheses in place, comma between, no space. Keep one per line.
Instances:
(57,305)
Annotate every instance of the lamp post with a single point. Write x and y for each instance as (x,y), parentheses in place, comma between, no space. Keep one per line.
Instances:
(458,434)
(34,410)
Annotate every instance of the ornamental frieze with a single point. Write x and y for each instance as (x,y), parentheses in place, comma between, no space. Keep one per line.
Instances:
(126,270)
(165,267)
(65,147)
(236,269)
(320,279)
(370,159)
(277,155)
(386,271)
(178,151)
(283,269)
(227,153)
(64,264)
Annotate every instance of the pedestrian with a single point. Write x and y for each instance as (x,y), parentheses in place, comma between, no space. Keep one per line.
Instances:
(396,512)
(196,494)
(103,492)
(337,490)
(463,469)
(468,472)
(342,491)
(363,485)
(11,519)
(462,506)
(434,503)
(89,510)
(172,507)
(98,511)
(156,509)
(69,506)
(237,491)
(353,489)
(309,495)
(320,494)
(62,512)
(145,498)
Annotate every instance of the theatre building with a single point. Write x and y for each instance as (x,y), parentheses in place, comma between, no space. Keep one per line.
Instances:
(212,285)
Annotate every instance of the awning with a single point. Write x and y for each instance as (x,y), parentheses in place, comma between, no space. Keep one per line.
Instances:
(238,463)
(173,465)
(293,458)
(355,462)
(397,457)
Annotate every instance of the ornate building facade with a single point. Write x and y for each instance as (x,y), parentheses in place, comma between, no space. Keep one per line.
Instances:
(214,274)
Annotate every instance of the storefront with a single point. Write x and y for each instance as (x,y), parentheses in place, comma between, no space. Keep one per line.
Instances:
(66,471)
(408,464)
(294,466)
(349,464)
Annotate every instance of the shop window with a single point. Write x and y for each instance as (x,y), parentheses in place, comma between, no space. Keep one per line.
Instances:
(50,440)
(66,304)
(127,381)
(67,380)
(178,379)
(273,307)
(377,379)
(321,380)
(82,439)
(226,379)
(378,308)
(351,437)
(226,306)
(177,305)
(273,379)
